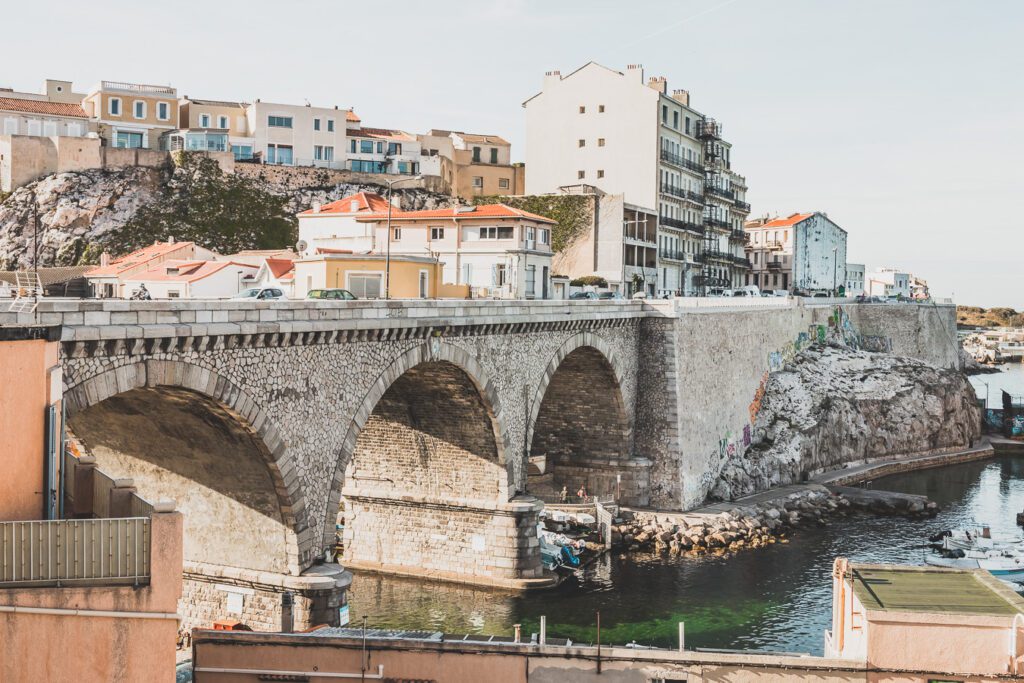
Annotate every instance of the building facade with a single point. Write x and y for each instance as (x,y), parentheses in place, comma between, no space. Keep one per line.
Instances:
(382,150)
(804,253)
(625,136)
(854,279)
(132,115)
(888,282)
(297,135)
(480,165)
(212,126)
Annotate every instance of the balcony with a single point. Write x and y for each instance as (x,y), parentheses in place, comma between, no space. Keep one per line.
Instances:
(741,261)
(738,235)
(140,88)
(680,193)
(713,255)
(677,224)
(774,264)
(673,255)
(709,129)
(682,162)
(720,192)
(711,222)
(742,205)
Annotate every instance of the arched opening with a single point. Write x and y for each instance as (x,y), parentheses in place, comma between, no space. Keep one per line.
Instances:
(581,435)
(425,489)
(180,444)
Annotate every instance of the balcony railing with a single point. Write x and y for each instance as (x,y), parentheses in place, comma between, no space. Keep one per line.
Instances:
(775,264)
(682,162)
(713,255)
(742,205)
(713,222)
(720,192)
(738,235)
(682,194)
(741,261)
(141,88)
(709,129)
(70,551)
(681,225)
(673,255)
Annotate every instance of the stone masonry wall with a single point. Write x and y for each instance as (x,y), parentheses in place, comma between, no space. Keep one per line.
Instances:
(205,599)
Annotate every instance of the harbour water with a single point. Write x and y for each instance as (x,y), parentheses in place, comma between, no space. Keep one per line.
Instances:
(1010,378)
(776,598)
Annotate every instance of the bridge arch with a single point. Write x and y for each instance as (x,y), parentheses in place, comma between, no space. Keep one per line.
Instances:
(186,432)
(424,478)
(580,431)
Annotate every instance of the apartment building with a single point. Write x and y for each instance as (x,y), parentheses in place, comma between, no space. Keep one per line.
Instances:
(382,150)
(803,253)
(854,279)
(110,278)
(212,126)
(613,130)
(297,135)
(55,112)
(132,115)
(889,283)
(480,165)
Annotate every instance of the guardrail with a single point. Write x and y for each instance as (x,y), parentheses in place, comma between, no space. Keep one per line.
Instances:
(72,551)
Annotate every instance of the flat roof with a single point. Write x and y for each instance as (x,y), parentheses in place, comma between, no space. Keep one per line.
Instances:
(927,589)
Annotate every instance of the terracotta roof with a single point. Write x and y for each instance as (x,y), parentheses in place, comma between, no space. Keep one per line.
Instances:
(279,267)
(215,103)
(385,133)
(188,271)
(484,211)
(785,222)
(351,116)
(137,258)
(366,202)
(40,107)
(486,139)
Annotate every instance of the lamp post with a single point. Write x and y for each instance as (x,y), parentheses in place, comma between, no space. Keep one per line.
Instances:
(835,268)
(387,256)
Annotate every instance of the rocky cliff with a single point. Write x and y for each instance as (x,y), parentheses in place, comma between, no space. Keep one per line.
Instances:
(78,215)
(833,405)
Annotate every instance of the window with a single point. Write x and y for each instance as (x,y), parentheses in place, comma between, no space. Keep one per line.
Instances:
(437,233)
(330,125)
(352,146)
(543,235)
(600,173)
(128,139)
(675,120)
(467,273)
(163,111)
(600,109)
(583,110)
(581,174)
(222,122)
(531,278)
(494,155)
(279,154)
(366,146)
(476,155)
(173,294)
(10,126)
(323,153)
(499,275)
(365,285)
(495,233)
(529,235)
(74,130)
(600,142)
(582,143)
(316,124)
(478,181)
(424,282)
(279,121)
(502,183)
(687,125)
(396,234)
(114,106)
(139,109)
(204,120)
(49,127)
(240,122)
(380,147)
(242,151)
(394,148)
(664,114)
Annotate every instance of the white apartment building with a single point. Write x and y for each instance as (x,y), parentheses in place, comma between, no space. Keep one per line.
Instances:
(382,150)
(297,135)
(613,130)
(803,253)
(56,112)
(888,282)
(854,279)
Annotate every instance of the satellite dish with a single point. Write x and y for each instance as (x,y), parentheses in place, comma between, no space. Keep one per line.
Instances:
(301,246)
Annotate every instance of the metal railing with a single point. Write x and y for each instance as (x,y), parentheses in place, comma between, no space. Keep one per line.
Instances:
(720,192)
(673,255)
(679,192)
(138,87)
(682,162)
(717,223)
(709,129)
(680,225)
(75,551)
(741,205)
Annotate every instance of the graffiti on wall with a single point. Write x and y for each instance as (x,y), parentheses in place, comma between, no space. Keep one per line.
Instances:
(755,405)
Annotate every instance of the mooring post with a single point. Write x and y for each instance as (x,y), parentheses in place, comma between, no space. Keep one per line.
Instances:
(682,636)
(543,630)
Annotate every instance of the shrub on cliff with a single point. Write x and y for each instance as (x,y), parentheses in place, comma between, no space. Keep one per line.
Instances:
(571,213)
(589,280)
(202,204)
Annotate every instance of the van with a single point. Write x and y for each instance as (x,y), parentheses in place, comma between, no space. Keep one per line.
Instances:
(747,291)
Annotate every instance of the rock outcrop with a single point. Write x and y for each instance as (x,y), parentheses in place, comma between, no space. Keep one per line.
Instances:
(79,213)
(833,405)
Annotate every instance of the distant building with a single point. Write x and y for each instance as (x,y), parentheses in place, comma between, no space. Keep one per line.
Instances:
(479,165)
(802,253)
(333,226)
(411,277)
(888,282)
(854,279)
(635,138)
(382,150)
(132,115)
(211,126)
(186,279)
(63,281)
(298,135)
(108,280)
(55,114)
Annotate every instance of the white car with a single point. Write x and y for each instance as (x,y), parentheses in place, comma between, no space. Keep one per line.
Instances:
(259,294)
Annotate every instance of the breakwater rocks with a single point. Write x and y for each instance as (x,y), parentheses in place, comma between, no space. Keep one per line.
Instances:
(832,406)
(751,526)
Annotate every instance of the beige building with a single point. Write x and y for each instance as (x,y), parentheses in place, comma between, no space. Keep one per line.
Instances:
(212,126)
(479,165)
(132,115)
(57,112)
(364,275)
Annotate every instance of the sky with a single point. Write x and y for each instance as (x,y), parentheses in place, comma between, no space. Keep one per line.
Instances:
(901,119)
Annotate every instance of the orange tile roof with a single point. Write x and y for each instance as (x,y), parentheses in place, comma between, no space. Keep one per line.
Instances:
(351,116)
(188,271)
(137,258)
(40,107)
(279,267)
(484,211)
(785,222)
(366,201)
(387,133)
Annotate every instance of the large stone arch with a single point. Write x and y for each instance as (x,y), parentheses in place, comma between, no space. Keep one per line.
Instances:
(193,395)
(581,422)
(425,478)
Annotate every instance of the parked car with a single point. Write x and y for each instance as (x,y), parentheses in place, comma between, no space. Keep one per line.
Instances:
(260,293)
(747,290)
(576,296)
(333,294)
(613,296)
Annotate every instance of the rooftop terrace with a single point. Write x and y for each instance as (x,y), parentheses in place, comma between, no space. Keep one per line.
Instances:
(928,589)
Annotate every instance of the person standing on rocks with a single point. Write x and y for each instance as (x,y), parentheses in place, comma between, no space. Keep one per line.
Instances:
(564,495)
(582,493)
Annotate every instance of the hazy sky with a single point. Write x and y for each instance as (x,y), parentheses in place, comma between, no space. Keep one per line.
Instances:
(900,118)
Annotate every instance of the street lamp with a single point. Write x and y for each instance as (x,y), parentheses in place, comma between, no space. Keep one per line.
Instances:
(835,269)
(387,257)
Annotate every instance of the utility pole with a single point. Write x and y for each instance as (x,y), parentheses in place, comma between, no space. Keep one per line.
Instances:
(387,257)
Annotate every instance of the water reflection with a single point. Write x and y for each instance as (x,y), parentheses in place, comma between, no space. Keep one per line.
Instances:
(776,598)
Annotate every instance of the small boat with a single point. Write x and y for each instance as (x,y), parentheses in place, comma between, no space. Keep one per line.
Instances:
(1003,564)
(557,551)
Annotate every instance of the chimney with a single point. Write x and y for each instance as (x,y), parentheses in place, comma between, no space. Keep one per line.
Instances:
(636,70)
(316,207)
(396,201)
(105,258)
(552,77)
(170,240)
(659,83)
(682,97)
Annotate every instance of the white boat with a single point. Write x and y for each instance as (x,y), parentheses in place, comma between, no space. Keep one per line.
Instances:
(1004,564)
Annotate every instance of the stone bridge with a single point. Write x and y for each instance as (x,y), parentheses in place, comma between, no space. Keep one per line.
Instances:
(433,425)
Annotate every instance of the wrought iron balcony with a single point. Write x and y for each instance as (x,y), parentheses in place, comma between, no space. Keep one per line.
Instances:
(673,255)
(720,192)
(681,225)
(742,205)
(775,264)
(738,235)
(682,162)
(679,192)
(709,129)
(715,255)
(712,222)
